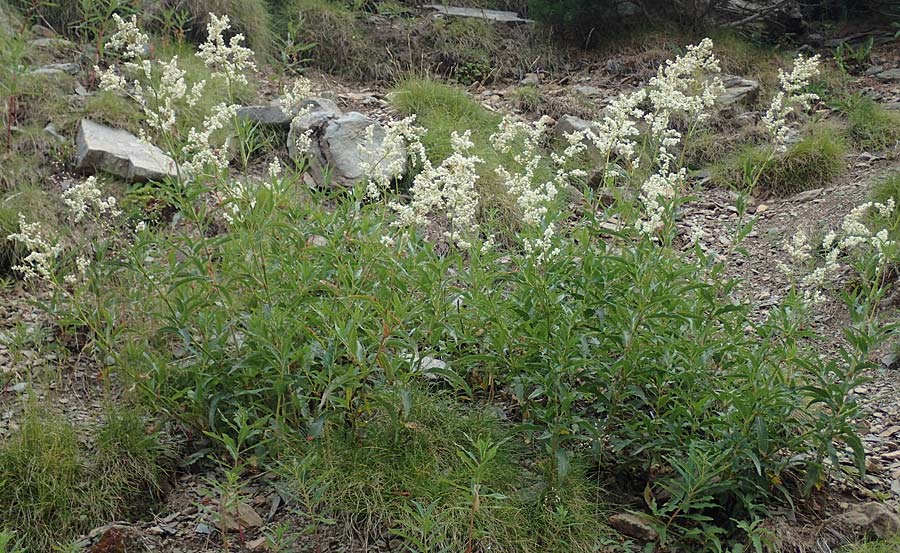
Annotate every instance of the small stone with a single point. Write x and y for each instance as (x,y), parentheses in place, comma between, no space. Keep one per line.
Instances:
(241,518)
(41,31)
(478,13)
(203,528)
(19,387)
(889,360)
(530,79)
(633,526)
(317,240)
(887,433)
(259,544)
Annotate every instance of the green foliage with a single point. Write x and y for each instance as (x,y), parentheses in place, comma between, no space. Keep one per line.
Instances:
(52,488)
(87,20)
(448,475)
(249,17)
(874,547)
(814,160)
(872,126)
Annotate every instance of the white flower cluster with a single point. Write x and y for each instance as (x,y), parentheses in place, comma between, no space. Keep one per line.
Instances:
(158,98)
(448,188)
(616,133)
(291,101)
(855,236)
(789,98)
(533,195)
(686,86)
(855,233)
(85,196)
(200,151)
(656,195)
(402,143)
(230,59)
(128,40)
(42,253)
(523,141)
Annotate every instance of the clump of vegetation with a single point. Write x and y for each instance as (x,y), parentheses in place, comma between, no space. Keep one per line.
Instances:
(261,317)
(53,488)
(872,127)
(816,159)
(27,202)
(449,476)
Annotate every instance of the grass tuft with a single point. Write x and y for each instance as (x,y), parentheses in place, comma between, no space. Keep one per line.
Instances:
(426,470)
(872,126)
(810,163)
(52,487)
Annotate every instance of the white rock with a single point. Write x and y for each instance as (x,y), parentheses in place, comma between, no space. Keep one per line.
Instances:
(116,151)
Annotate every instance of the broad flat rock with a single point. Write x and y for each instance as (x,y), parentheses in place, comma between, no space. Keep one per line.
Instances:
(479,13)
(116,151)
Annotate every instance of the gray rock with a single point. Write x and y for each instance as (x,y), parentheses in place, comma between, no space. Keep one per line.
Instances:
(530,79)
(271,115)
(589,91)
(340,147)
(567,124)
(321,111)
(57,69)
(891,75)
(479,13)
(633,526)
(53,44)
(869,520)
(738,90)
(41,31)
(51,130)
(116,151)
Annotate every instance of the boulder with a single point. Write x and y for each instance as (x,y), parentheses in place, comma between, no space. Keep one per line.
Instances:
(341,145)
(57,69)
(738,90)
(337,138)
(116,151)
(271,115)
(321,111)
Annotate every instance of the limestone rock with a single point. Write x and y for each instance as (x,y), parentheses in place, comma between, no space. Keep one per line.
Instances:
(57,69)
(567,124)
(116,151)
(271,115)
(869,520)
(479,13)
(321,111)
(633,526)
(341,146)
(335,154)
(738,90)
